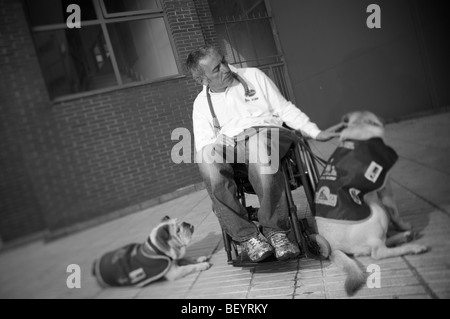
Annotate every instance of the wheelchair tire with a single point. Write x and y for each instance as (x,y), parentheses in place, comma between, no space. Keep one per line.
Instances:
(325,249)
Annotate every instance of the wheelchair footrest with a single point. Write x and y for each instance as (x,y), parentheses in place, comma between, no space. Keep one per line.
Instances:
(246,263)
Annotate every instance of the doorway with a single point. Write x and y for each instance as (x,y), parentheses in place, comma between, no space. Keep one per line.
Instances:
(247,37)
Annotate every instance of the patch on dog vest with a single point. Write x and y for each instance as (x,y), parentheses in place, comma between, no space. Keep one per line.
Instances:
(325,197)
(330,173)
(373,172)
(350,174)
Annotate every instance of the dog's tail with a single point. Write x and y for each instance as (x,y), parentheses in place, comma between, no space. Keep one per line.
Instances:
(356,277)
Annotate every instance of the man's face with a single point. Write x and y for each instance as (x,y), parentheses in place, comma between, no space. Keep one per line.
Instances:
(217,72)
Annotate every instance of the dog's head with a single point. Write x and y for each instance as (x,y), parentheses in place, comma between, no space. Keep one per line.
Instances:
(362,125)
(171,237)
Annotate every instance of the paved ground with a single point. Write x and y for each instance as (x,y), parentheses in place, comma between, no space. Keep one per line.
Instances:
(39,270)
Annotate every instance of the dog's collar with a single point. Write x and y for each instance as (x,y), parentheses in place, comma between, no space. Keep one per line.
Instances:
(151,247)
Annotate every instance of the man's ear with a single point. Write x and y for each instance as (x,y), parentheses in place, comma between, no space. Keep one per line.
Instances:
(199,80)
(202,80)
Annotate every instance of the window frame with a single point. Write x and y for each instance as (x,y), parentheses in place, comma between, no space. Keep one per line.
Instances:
(103,22)
(129,13)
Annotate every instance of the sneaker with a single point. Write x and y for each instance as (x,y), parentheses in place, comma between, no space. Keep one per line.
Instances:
(257,248)
(284,248)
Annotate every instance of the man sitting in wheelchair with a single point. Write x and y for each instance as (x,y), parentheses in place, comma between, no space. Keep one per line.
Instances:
(238,118)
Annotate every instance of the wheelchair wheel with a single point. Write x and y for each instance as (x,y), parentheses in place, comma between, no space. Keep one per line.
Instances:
(308,174)
(322,243)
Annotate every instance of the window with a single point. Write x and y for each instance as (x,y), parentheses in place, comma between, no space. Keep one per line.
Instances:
(119,42)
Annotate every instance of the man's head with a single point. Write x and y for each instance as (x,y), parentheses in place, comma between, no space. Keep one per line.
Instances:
(209,67)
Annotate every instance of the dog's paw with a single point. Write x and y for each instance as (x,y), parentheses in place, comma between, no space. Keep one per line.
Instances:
(412,235)
(203,259)
(203,266)
(418,249)
(402,225)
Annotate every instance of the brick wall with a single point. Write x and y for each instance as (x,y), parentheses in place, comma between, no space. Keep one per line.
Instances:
(23,108)
(206,21)
(73,161)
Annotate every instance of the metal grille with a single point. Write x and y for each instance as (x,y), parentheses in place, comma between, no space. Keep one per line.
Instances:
(246,37)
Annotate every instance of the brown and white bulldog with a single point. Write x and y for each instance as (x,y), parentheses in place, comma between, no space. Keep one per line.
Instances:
(355,206)
(161,255)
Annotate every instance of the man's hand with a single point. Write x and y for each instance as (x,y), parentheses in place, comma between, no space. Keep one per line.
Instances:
(330,133)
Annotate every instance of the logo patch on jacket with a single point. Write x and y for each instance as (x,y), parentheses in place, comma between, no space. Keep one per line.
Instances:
(355,169)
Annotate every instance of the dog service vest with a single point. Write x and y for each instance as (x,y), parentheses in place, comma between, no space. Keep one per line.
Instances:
(355,169)
(129,266)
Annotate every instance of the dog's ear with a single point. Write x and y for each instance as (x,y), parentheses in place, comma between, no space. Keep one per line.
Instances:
(382,120)
(162,237)
(165,218)
(164,233)
(346,118)
(372,119)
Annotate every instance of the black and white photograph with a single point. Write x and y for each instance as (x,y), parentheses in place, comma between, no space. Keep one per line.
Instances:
(230,156)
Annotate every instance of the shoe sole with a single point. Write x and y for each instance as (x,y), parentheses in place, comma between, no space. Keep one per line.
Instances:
(288,256)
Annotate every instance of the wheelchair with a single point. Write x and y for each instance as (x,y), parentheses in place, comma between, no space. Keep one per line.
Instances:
(299,167)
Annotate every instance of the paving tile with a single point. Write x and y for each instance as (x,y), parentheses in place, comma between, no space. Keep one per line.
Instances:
(389,292)
(272,278)
(272,285)
(302,274)
(309,289)
(275,297)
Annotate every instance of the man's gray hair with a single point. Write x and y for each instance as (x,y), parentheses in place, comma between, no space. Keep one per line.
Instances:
(193,60)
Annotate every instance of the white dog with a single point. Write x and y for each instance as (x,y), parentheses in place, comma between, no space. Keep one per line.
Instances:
(354,202)
(160,256)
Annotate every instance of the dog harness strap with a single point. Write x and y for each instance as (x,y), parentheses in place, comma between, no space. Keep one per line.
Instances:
(355,169)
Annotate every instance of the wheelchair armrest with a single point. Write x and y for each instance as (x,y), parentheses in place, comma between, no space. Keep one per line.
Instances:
(296,132)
